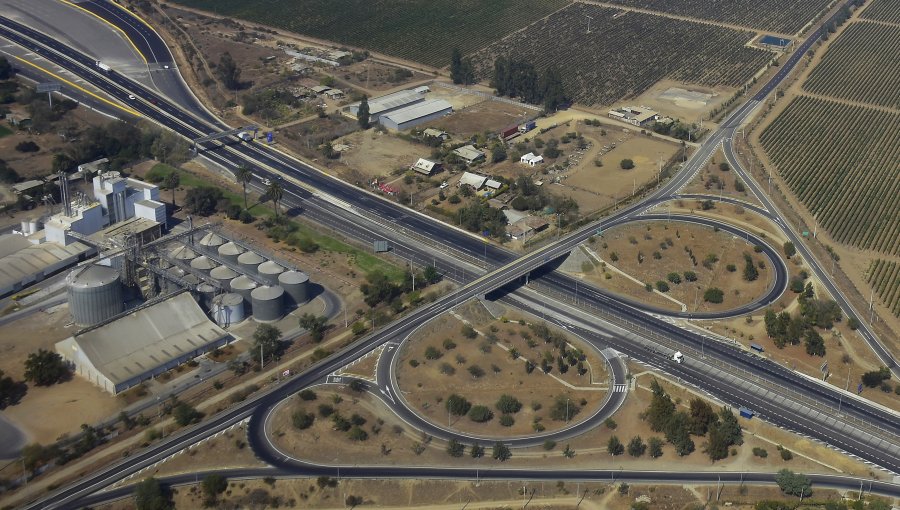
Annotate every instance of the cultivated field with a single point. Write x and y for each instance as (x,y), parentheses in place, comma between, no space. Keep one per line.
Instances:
(884,276)
(781,17)
(861,65)
(418,30)
(614,61)
(843,163)
(883,10)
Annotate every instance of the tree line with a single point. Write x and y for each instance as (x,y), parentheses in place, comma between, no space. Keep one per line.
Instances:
(516,78)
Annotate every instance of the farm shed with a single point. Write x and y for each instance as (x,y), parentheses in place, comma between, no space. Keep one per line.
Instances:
(320,89)
(436,133)
(469,154)
(120,354)
(413,115)
(474,180)
(385,104)
(634,115)
(531,160)
(426,166)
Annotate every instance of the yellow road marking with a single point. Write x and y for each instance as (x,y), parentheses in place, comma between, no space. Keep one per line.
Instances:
(134,14)
(104,20)
(82,89)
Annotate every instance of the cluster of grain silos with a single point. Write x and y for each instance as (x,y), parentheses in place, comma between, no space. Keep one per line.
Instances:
(95,294)
(232,272)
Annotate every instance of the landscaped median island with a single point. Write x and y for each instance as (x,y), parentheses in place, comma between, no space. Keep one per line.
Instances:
(491,378)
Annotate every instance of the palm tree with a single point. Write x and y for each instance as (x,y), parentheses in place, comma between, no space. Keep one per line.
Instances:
(172,181)
(275,192)
(244,176)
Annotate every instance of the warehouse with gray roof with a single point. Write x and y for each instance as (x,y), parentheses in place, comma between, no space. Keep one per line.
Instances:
(379,106)
(411,116)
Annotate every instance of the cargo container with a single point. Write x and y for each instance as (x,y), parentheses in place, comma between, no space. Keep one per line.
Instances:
(746,413)
(103,67)
(509,132)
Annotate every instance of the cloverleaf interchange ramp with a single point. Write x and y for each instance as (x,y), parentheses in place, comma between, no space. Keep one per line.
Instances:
(392,213)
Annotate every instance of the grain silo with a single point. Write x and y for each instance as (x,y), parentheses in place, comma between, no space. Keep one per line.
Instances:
(296,286)
(223,275)
(268,303)
(203,264)
(210,242)
(205,295)
(228,309)
(95,294)
(249,261)
(229,252)
(183,253)
(244,287)
(268,271)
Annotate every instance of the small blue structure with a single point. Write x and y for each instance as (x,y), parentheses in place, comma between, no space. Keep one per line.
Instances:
(757,347)
(772,40)
(746,413)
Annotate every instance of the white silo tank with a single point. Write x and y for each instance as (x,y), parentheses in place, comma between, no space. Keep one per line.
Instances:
(230,252)
(210,242)
(223,275)
(183,253)
(243,286)
(228,309)
(203,264)
(249,261)
(296,286)
(205,294)
(268,303)
(269,272)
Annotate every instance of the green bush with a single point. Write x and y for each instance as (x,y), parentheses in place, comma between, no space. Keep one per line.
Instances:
(480,414)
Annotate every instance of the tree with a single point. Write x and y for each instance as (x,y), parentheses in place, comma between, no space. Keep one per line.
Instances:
(150,495)
(302,420)
(455,448)
(275,192)
(661,408)
(6,70)
(876,377)
(45,368)
(477,451)
(202,200)
(552,89)
(354,501)
(266,342)
(10,391)
(614,446)
(713,295)
(724,166)
(626,164)
(794,484)
(636,446)
(674,278)
(362,116)
(678,434)
(717,443)
(185,414)
(815,345)
(212,486)
(771,321)
(508,404)
(431,274)
(750,271)
(244,176)
(316,325)
(229,72)
(655,445)
(563,409)
(789,249)
(690,276)
(729,427)
(456,66)
(457,405)
(501,452)
(480,414)
(702,416)
(498,153)
(171,182)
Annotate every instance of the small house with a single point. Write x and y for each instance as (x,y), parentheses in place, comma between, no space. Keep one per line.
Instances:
(475,181)
(320,89)
(426,166)
(424,89)
(531,160)
(334,94)
(436,133)
(469,154)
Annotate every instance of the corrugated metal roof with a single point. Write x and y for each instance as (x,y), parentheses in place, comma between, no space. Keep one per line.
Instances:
(23,260)
(419,110)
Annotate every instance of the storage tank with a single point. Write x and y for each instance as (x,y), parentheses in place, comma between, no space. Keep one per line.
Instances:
(243,286)
(228,309)
(203,264)
(268,303)
(205,295)
(296,286)
(230,252)
(183,253)
(223,275)
(95,294)
(210,242)
(249,261)
(268,271)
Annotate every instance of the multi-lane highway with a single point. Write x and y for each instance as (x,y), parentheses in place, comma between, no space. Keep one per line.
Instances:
(154,106)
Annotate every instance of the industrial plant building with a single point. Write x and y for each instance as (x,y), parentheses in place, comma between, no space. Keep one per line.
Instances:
(382,105)
(123,198)
(142,344)
(637,116)
(23,262)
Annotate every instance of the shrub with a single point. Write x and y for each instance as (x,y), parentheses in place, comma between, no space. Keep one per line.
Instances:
(458,404)
(674,278)
(507,420)
(448,344)
(480,414)
(508,404)
(308,395)
(713,295)
(302,420)
(690,276)
(27,146)
(432,353)
(662,286)
(760,452)
(626,164)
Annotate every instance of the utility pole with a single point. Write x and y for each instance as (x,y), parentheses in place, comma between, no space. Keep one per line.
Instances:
(262,359)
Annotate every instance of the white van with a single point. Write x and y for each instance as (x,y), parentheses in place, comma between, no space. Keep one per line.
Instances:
(678,357)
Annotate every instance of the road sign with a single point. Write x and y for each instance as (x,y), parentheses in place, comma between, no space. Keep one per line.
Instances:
(859,389)
(50,86)
(270,137)
(806,233)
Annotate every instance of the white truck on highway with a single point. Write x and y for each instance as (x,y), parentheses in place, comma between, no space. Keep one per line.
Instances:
(678,357)
(103,67)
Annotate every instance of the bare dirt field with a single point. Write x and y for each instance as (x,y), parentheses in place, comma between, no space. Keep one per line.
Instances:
(712,180)
(377,154)
(229,450)
(687,102)
(485,116)
(483,368)
(376,77)
(650,252)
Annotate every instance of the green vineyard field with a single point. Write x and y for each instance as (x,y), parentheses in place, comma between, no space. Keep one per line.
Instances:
(775,15)
(843,163)
(418,30)
(884,277)
(883,10)
(861,65)
(625,53)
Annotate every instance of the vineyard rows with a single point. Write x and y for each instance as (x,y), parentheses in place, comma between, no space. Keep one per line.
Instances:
(625,53)
(775,15)
(883,10)
(861,65)
(843,163)
(423,31)
(884,277)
